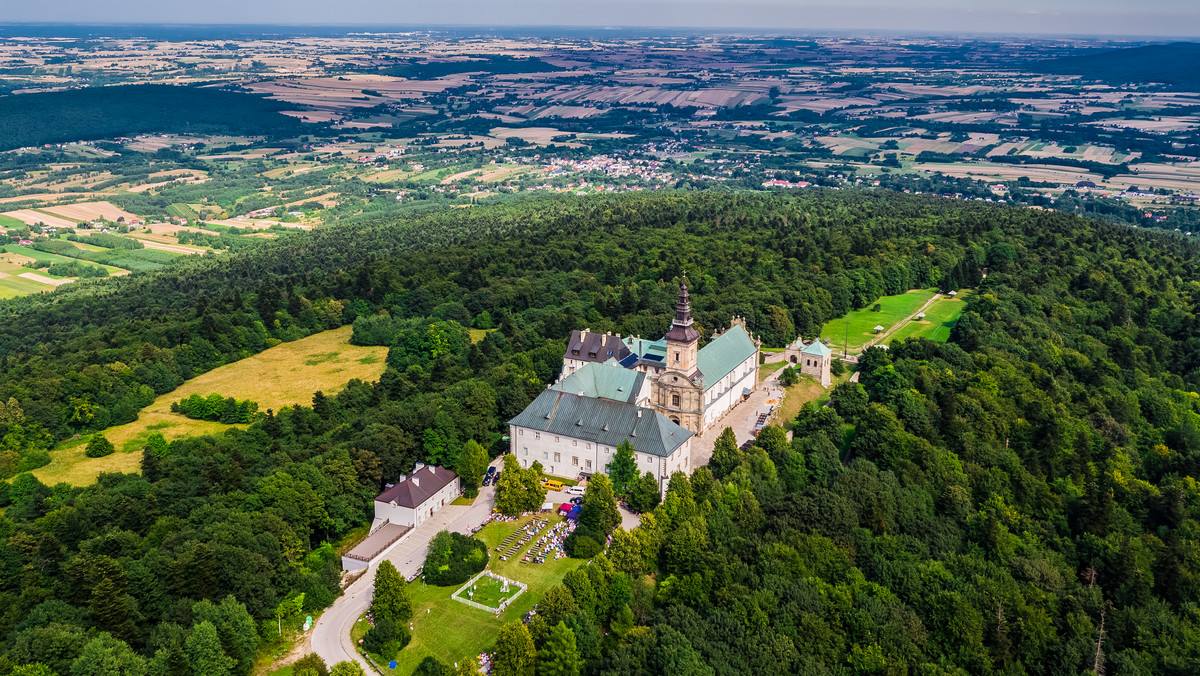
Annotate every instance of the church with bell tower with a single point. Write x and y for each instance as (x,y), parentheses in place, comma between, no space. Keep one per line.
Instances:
(691,386)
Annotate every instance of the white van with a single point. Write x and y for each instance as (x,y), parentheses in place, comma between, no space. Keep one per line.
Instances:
(575,490)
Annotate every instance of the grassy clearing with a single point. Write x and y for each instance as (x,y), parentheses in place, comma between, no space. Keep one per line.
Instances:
(10,223)
(479,334)
(862,322)
(280,376)
(463,500)
(794,399)
(449,630)
(940,318)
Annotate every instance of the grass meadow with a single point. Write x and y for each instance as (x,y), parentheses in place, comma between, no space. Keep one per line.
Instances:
(283,375)
(449,630)
(939,320)
(862,322)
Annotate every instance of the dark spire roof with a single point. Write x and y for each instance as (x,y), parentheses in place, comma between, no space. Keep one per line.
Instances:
(681,328)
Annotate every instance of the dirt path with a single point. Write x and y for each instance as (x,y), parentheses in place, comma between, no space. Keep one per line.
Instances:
(900,324)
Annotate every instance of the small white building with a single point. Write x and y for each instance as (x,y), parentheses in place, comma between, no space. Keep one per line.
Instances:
(416,497)
(402,507)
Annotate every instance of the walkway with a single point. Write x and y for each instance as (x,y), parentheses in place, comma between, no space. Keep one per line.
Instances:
(331,635)
(741,419)
(900,324)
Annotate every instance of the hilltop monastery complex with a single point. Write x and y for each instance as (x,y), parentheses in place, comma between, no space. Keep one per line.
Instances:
(659,395)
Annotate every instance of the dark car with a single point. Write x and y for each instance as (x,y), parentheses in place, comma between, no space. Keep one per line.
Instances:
(576,501)
(491,471)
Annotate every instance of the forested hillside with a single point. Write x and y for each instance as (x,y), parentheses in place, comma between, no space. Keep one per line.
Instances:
(982,506)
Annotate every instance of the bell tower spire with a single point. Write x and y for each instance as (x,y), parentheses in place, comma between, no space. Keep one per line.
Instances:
(682,338)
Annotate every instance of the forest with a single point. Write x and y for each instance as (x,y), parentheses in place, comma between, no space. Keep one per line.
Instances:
(127,110)
(1017,500)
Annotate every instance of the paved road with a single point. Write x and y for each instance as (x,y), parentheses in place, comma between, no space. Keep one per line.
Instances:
(331,635)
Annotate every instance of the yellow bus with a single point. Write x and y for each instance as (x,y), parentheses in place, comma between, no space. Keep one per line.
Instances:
(552,485)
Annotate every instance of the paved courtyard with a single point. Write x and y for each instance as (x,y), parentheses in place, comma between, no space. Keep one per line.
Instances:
(741,418)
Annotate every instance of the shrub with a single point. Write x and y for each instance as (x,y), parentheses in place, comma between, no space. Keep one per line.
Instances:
(387,638)
(99,447)
(453,558)
(33,460)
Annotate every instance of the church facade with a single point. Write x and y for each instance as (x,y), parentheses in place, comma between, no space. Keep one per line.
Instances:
(692,386)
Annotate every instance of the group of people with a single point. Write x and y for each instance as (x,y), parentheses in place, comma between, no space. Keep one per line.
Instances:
(513,543)
(550,545)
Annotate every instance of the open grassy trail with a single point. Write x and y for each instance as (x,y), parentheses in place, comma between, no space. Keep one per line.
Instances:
(858,326)
(283,375)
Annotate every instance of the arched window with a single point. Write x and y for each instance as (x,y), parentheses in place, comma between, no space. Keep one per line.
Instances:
(793,359)
(675,419)
(675,400)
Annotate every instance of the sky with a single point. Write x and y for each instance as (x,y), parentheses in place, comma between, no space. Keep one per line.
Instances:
(1149,18)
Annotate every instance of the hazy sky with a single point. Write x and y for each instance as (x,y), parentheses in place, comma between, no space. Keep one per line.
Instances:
(1097,17)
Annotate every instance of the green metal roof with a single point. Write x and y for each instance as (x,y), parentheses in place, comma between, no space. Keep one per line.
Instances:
(602,421)
(604,381)
(723,354)
(817,348)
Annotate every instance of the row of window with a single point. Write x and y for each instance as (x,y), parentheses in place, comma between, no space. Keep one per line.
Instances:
(587,464)
(574,442)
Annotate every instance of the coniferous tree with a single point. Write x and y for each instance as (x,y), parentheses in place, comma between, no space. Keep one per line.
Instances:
(726,454)
(391,600)
(560,656)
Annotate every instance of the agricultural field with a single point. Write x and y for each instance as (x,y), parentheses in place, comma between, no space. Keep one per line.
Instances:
(451,630)
(859,325)
(283,375)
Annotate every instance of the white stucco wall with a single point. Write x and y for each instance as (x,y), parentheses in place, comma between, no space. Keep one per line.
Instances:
(531,445)
(722,396)
(407,516)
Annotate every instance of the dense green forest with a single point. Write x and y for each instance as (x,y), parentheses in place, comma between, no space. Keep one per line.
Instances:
(127,110)
(1019,500)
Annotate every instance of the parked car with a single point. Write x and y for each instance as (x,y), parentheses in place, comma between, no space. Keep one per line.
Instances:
(491,471)
(576,501)
(575,490)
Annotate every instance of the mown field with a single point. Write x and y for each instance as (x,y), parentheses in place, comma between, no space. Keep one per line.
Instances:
(862,322)
(451,630)
(940,318)
(280,376)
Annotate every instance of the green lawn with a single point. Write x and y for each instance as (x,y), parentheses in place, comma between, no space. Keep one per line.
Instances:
(489,592)
(939,320)
(451,630)
(863,322)
(10,223)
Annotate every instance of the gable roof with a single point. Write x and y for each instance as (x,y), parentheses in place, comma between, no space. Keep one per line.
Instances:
(418,487)
(723,354)
(603,381)
(591,346)
(817,348)
(602,421)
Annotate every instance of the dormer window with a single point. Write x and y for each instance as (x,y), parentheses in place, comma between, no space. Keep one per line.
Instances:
(575,352)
